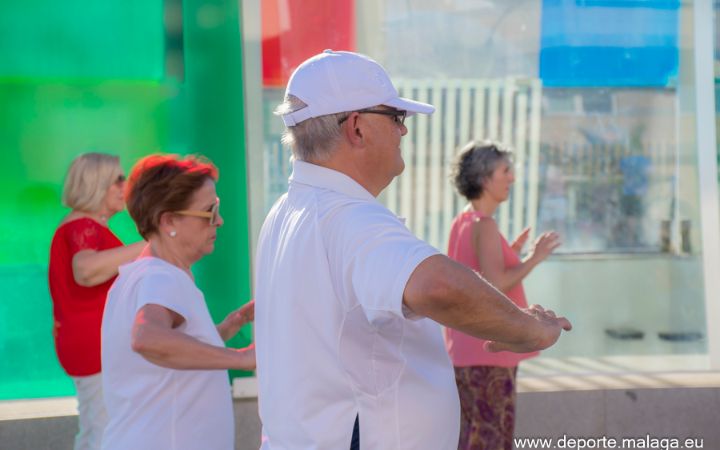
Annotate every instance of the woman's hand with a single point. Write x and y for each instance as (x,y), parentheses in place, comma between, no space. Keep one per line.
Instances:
(520,241)
(236,319)
(544,245)
(244,314)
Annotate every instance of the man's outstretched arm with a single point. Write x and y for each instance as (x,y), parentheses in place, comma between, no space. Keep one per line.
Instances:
(455,296)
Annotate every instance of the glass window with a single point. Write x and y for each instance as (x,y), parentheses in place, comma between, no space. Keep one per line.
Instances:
(597,100)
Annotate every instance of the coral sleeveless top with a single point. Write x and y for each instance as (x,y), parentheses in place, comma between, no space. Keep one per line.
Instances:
(466,350)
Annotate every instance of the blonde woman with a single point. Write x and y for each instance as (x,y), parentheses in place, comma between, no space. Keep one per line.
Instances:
(84,260)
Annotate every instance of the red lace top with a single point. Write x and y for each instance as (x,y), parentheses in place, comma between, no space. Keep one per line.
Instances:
(78,310)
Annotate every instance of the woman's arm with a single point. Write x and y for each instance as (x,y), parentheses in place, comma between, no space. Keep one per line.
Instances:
(488,247)
(155,338)
(93,267)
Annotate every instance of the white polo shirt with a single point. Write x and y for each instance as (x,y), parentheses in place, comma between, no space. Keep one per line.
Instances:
(332,338)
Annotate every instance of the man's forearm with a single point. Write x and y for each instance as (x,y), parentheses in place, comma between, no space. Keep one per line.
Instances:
(455,296)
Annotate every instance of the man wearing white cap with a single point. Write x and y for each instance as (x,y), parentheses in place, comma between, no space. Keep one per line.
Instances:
(348,300)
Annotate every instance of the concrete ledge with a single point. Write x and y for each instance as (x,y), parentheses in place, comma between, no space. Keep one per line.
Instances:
(246,388)
(662,404)
(616,372)
(38,408)
(619,381)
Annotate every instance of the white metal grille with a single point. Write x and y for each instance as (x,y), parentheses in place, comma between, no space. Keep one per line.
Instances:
(507,110)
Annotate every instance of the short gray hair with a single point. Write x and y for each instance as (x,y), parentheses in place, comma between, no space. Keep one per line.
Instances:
(312,139)
(475,164)
(88,180)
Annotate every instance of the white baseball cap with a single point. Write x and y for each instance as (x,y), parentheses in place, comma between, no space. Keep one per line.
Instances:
(333,82)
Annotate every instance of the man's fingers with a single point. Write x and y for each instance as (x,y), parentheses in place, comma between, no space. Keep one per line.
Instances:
(495,346)
(564,323)
(549,314)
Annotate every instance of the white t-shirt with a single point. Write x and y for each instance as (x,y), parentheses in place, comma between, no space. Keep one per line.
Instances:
(332,338)
(152,407)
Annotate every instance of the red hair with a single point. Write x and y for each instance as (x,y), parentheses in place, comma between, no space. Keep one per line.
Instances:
(164,183)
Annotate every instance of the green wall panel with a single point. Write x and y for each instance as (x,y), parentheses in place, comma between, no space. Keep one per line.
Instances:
(82,38)
(51,110)
(213,64)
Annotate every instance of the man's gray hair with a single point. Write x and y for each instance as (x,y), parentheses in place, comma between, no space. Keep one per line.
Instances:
(312,139)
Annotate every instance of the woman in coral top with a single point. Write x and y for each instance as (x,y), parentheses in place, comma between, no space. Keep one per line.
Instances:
(483,174)
(84,260)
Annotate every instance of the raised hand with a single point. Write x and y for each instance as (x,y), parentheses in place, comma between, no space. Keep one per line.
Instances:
(244,314)
(520,241)
(545,244)
(236,319)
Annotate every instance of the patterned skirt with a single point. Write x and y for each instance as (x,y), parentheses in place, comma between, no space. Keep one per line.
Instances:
(487,402)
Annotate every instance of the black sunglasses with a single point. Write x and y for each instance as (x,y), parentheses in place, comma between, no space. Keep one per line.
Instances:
(398,115)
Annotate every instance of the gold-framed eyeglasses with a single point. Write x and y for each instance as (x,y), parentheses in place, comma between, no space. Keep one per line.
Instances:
(398,115)
(213,214)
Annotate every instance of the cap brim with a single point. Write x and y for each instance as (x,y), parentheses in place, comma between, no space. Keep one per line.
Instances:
(411,106)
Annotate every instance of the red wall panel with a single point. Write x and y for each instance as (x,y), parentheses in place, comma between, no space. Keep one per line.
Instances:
(294,30)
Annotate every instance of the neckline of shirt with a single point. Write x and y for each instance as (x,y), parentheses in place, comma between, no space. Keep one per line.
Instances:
(85,218)
(473,213)
(151,259)
(322,177)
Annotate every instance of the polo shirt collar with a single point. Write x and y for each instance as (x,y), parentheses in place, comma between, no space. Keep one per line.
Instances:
(322,177)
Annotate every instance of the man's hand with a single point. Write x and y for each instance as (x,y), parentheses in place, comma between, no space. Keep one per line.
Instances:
(552,327)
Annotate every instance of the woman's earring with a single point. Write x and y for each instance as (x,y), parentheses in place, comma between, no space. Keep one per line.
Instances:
(173,233)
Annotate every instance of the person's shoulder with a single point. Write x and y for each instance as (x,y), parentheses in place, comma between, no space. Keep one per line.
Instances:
(151,269)
(278,203)
(359,211)
(484,224)
(151,278)
(75,223)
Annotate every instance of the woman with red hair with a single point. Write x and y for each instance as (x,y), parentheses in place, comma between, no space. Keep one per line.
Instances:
(165,362)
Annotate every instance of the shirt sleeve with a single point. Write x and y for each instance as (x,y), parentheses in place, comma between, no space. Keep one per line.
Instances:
(377,255)
(162,288)
(83,235)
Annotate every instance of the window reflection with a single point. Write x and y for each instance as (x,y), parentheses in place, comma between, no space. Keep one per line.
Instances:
(596,99)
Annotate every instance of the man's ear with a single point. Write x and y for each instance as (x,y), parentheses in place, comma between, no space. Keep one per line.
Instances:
(352,129)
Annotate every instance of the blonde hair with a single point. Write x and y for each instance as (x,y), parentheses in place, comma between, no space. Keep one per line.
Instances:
(88,180)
